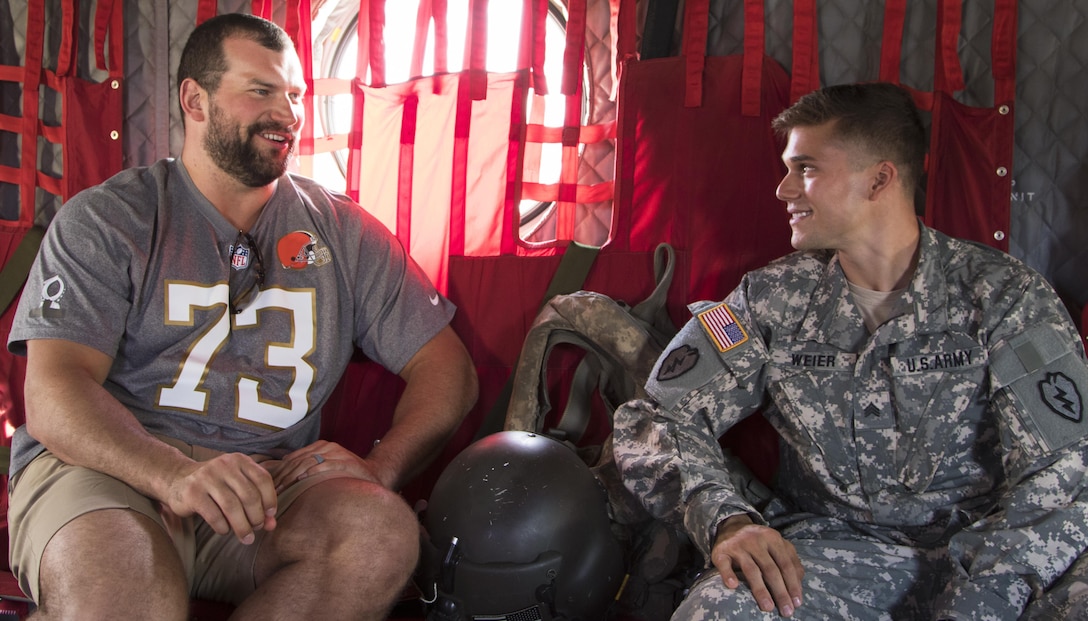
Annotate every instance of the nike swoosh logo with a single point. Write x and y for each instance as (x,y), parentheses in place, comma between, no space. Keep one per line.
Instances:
(434,300)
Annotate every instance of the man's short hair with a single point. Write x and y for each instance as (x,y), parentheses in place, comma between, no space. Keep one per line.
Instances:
(203,59)
(879,117)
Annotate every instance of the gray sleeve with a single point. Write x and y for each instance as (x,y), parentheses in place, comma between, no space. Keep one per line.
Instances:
(79,287)
(400,310)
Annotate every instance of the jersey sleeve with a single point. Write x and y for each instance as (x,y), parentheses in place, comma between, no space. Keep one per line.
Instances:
(79,287)
(400,310)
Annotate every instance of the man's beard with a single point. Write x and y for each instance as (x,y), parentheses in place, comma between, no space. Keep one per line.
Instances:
(240,158)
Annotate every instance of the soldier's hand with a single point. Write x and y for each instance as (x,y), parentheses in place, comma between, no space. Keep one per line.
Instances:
(231,492)
(768,562)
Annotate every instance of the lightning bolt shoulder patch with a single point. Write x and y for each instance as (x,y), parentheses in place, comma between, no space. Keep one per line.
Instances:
(1049,380)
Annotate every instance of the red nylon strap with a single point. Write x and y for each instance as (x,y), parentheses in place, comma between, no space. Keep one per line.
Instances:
(1003,51)
(109,19)
(696,29)
(574,54)
(476,49)
(419,47)
(404,175)
(508,241)
(9,123)
(754,47)
(594,193)
(806,50)
(891,53)
(355,137)
(623,24)
(948,76)
(376,37)
(69,33)
(262,8)
(573,62)
(299,27)
(891,47)
(32,73)
(441,37)
(534,31)
(459,174)
(587,134)
(208,9)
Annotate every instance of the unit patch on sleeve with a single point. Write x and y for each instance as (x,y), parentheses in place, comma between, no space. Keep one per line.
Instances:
(678,362)
(721,326)
(1049,380)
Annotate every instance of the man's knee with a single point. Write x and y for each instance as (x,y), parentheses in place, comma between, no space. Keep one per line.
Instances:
(352,526)
(112,563)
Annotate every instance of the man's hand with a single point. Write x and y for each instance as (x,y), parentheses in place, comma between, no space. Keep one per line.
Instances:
(231,492)
(321,456)
(768,562)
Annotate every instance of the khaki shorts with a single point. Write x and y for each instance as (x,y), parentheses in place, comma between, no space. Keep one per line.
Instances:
(48,493)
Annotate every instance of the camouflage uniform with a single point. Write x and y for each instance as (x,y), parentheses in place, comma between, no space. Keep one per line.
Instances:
(932,469)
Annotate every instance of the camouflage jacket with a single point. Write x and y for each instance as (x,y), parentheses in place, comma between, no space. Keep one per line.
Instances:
(958,424)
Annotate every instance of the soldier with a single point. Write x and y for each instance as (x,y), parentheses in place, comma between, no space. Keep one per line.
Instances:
(927,392)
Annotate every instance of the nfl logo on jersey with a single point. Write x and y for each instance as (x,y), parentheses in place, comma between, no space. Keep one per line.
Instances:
(240,258)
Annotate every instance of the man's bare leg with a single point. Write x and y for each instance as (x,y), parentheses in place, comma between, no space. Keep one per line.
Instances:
(344,550)
(112,564)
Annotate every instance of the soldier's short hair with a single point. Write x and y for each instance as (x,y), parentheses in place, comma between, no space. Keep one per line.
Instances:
(878,117)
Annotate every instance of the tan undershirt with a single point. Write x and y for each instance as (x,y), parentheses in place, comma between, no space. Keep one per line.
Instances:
(877,306)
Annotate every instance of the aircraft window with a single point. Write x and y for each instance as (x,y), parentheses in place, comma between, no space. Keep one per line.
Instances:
(335,49)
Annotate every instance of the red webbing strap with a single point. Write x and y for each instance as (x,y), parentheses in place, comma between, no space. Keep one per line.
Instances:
(574,52)
(696,30)
(508,241)
(891,52)
(205,10)
(573,63)
(754,48)
(534,139)
(364,34)
(891,48)
(623,25)
(376,38)
(299,27)
(404,174)
(441,37)
(262,8)
(109,19)
(948,77)
(419,43)
(32,76)
(476,49)
(534,21)
(1003,52)
(806,50)
(459,174)
(69,33)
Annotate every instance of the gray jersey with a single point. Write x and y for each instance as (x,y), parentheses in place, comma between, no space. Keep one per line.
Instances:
(143,268)
(957,425)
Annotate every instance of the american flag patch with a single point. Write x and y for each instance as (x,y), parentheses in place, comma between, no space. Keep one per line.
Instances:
(722,327)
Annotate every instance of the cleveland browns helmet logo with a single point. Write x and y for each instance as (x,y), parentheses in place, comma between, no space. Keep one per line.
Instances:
(300,249)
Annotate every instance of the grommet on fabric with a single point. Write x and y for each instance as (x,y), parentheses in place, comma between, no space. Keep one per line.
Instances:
(114,135)
(999,235)
(1002,171)
(115,84)
(1003,109)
